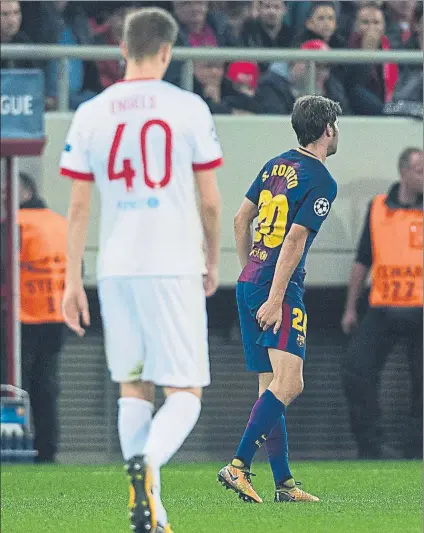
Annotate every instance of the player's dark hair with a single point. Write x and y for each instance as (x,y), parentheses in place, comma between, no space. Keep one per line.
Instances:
(147,29)
(405,156)
(29,184)
(316,5)
(311,115)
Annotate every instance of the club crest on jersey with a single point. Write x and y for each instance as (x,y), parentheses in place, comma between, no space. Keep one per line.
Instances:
(321,207)
(300,341)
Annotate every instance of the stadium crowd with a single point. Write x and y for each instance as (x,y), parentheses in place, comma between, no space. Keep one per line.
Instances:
(241,87)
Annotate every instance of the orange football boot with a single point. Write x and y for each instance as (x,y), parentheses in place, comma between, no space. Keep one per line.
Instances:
(290,492)
(238,479)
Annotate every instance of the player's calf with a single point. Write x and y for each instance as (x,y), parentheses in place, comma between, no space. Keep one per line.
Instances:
(287,383)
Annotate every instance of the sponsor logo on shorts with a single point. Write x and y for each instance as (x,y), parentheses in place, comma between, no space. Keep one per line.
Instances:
(137,371)
(300,341)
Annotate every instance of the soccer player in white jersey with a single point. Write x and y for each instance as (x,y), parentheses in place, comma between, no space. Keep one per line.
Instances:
(147,145)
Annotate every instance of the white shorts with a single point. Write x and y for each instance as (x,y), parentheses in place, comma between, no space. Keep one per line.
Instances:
(156,330)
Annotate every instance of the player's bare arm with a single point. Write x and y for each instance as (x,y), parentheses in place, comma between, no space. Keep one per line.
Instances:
(243,229)
(210,214)
(75,304)
(271,312)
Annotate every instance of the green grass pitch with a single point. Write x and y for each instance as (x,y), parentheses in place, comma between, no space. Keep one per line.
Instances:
(357,497)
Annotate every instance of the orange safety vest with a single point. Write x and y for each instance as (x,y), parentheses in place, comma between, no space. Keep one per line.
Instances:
(43,265)
(397,245)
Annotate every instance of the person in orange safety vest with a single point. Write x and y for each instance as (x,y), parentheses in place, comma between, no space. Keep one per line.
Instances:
(42,282)
(391,250)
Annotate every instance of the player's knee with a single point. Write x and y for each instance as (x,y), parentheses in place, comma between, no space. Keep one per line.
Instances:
(296,389)
(197,391)
(301,386)
(138,389)
(287,390)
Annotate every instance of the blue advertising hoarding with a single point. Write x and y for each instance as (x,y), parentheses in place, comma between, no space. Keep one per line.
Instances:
(22,104)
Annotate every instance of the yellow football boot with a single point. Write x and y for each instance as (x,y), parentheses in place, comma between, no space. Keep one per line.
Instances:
(290,492)
(141,504)
(238,479)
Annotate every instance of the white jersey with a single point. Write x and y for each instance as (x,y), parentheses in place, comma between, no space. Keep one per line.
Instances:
(140,141)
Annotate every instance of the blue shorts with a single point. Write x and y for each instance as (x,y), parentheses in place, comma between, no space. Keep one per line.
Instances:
(291,336)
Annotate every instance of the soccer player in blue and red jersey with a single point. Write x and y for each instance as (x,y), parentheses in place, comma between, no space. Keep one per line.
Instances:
(291,196)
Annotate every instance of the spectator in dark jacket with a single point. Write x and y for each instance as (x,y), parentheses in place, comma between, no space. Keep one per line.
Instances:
(244,77)
(11,33)
(321,24)
(409,88)
(416,38)
(370,86)
(268,29)
(399,17)
(110,70)
(198,27)
(346,16)
(208,83)
(225,94)
(278,91)
(298,12)
(237,14)
(63,22)
(276,94)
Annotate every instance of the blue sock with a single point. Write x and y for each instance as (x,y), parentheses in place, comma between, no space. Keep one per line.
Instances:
(265,414)
(277,449)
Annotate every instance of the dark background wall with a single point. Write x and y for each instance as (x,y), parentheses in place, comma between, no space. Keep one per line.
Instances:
(317,421)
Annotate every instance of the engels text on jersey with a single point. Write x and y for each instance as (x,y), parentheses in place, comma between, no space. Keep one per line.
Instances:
(133,102)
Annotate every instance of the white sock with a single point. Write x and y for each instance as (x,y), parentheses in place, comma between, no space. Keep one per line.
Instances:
(134,421)
(171,426)
(160,509)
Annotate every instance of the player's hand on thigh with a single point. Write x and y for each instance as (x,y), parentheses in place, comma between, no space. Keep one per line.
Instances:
(270,314)
(75,309)
(211,281)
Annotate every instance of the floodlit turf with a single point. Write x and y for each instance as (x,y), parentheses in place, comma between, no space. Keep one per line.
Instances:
(373,497)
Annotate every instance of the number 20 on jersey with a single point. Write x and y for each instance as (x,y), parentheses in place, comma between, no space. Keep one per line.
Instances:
(272,219)
(127,172)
